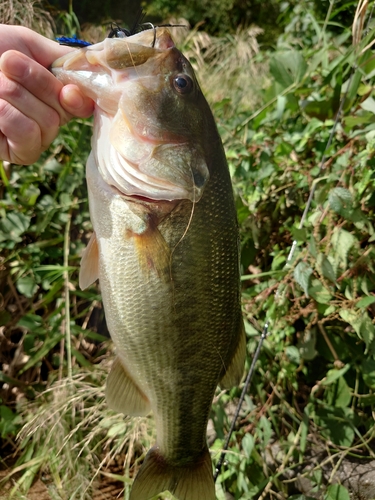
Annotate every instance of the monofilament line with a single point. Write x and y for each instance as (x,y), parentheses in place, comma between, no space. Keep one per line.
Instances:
(239,406)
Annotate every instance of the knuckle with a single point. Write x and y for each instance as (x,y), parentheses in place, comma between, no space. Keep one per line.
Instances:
(52,119)
(7,111)
(9,89)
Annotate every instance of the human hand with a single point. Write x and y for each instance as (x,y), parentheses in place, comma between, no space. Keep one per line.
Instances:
(33,103)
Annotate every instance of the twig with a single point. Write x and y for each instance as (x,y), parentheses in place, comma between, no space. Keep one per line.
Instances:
(67,295)
(15,294)
(284,464)
(328,342)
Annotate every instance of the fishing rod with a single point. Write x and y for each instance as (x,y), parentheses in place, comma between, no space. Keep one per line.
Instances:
(239,406)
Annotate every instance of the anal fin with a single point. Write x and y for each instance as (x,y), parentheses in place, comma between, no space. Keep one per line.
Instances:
(185,482)
(235,370)
(122,394)
(89,271)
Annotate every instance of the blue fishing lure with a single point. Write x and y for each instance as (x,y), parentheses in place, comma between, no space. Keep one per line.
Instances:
(72,41)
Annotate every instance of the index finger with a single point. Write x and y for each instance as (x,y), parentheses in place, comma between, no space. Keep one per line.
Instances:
(33,45)
(34,78)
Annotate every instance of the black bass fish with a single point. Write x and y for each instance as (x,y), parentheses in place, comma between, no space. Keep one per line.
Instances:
(165,248)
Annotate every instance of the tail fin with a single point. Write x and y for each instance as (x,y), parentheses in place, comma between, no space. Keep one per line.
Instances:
(192,482)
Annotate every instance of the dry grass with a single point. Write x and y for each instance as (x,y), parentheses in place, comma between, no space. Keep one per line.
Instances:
(71,436)
(227,66)
(27,13)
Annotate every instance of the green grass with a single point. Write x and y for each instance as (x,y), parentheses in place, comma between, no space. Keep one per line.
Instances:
(313,388)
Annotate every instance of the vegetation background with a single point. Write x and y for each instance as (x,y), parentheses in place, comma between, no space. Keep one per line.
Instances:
(275,73)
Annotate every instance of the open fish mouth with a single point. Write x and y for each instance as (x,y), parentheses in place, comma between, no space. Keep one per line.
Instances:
(143,87)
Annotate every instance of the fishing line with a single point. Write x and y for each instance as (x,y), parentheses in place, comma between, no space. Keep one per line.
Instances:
(184,233)
(294,244)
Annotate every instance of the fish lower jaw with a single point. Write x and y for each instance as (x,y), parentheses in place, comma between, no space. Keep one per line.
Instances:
(145,199)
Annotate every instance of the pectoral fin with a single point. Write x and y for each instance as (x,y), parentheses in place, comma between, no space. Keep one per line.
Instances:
(123,395)
(234,372)
(89,271)
(152,251)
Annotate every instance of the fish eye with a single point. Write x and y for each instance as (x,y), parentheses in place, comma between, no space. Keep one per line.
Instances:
(183,84)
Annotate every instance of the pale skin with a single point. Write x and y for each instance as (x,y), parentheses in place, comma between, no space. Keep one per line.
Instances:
(33,103)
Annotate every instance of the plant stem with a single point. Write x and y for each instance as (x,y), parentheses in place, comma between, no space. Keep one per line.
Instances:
(67,295)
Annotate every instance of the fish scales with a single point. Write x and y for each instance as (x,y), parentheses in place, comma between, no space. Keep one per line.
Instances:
(165,249)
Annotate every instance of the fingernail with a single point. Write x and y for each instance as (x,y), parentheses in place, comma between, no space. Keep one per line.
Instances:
(72,98)
(13,64)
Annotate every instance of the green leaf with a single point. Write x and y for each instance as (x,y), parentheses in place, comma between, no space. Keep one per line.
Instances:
(336,424)
(366,301)
(340,199)
(299,234)
(361,324)
(288,68)
(116,429)
(247,444)
(338,394)
(13,226)
(342,242)
(31,322)
(81,358)
(319,293)
(336,492)
(48,344)
(368,372)
(326,268)
(302,273)
(266,429)
(9,421)
(368,104)
(352,93)
(27,286)
(293,354)
(333,375)
(321,109)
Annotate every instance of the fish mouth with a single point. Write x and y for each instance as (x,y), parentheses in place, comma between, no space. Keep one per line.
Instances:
(116,53)
(136,150)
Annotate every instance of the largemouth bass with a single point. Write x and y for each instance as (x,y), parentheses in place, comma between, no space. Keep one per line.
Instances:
(165,249)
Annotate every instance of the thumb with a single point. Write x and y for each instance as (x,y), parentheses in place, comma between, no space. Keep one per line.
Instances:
(75,102)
